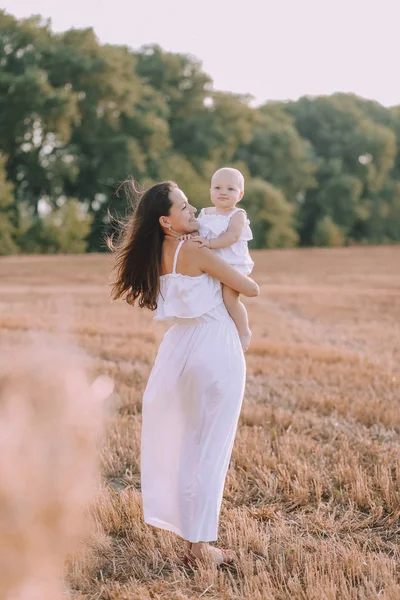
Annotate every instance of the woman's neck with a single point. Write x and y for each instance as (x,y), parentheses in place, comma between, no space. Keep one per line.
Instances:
(173,235)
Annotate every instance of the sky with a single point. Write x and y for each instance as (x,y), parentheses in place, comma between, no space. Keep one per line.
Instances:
(271,49)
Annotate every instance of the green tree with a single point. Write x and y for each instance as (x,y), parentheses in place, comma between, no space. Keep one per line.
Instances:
(337,197)
(62,230)
(104,145)
(276,152)
(179,169)
(233,120)
(355,156)
(178,77)
(7,229)
(381,223)
(338,130)
(78,117)
(35,116)
(327,233)
(72,101)
(182,86)
(271,216)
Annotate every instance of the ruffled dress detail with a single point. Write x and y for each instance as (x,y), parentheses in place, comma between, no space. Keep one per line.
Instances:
(211,226)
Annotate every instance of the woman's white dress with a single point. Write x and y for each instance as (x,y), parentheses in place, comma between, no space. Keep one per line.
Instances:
(211,226)
(191,407)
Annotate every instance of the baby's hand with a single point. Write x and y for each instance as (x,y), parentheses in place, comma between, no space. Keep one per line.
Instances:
(203,242)
(187,236)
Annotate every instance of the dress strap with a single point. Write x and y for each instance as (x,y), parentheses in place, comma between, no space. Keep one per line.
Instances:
(179,246)
(236,210)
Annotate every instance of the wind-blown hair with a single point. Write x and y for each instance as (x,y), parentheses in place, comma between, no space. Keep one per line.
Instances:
(139,246)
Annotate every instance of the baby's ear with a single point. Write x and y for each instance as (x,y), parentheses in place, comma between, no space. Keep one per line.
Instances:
(241,195)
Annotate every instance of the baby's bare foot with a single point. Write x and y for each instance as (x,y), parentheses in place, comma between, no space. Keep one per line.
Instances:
(245,340)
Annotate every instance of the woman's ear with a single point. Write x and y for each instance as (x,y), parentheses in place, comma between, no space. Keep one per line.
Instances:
(164,222)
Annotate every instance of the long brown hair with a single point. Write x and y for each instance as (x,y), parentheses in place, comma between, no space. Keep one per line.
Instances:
(139,247)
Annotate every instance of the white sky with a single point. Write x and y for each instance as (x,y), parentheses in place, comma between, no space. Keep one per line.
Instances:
(272,49)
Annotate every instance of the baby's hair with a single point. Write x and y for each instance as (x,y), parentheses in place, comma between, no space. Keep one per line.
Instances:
(233,171)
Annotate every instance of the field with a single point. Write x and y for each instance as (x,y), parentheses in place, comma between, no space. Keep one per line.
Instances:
(312,497)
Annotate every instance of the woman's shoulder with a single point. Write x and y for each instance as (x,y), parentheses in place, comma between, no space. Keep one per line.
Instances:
(190,247)
(190,253)
(195,257)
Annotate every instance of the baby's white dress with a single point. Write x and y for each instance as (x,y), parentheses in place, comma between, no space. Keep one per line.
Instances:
(237,255)
(191,407)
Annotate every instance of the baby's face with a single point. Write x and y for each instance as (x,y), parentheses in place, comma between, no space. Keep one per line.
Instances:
(226,190)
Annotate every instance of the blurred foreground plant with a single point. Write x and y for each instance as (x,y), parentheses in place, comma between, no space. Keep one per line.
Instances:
(51,419)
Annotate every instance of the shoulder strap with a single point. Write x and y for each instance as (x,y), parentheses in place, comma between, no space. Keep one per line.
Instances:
(236,210)
(204,212)
(179,246)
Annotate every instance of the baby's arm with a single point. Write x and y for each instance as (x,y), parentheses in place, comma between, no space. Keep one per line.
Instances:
(230,236)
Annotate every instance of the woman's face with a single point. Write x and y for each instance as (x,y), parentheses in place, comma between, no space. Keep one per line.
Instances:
(182,214)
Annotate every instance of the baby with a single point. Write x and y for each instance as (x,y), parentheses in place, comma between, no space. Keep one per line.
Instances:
(225,229)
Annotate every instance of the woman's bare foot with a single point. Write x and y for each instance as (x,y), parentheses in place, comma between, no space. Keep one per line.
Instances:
(201,550)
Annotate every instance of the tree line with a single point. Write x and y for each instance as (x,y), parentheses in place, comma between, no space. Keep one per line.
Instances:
(77,117)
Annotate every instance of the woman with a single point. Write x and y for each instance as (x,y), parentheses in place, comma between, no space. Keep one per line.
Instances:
(193,397)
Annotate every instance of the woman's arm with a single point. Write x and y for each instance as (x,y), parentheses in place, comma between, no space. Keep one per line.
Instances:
(211,263)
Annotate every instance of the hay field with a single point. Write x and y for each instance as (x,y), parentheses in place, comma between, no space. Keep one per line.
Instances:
(312,498)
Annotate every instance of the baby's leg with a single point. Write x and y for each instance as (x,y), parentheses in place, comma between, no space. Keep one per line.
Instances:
(238,312)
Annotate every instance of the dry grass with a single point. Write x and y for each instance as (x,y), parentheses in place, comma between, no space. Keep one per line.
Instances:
(312,498)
